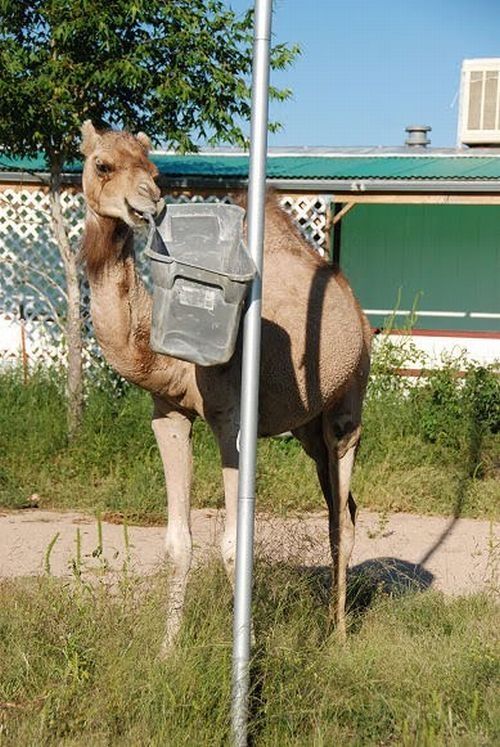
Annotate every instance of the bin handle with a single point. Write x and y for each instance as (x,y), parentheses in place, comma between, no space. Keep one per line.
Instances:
(153,230)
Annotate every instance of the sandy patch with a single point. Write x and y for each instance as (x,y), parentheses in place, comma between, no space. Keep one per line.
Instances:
(456,556)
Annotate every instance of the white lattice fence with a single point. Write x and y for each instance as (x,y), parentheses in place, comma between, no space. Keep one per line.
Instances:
(310,214)
(32,294)
(32,287)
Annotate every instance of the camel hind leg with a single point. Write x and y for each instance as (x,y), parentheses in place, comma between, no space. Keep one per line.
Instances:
(331,441)
(341,515)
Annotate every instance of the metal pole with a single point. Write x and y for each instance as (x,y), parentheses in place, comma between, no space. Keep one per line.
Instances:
(250,377)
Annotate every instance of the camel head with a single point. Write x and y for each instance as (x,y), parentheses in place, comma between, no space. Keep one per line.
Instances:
(118,177)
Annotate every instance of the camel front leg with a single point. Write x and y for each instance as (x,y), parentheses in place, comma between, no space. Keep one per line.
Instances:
(173,433)
(226,438)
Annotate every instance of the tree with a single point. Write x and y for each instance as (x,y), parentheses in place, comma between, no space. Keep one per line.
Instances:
(178,69)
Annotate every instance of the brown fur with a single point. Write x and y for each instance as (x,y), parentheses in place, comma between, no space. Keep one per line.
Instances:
(281,231)
(98,236)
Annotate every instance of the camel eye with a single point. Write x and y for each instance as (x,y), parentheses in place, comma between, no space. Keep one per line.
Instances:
(103,168)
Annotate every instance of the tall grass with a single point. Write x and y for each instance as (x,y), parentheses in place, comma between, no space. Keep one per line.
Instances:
(79,663)
(433,447)
(80,666)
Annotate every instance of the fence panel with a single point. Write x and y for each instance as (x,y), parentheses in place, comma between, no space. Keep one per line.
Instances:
(32,285)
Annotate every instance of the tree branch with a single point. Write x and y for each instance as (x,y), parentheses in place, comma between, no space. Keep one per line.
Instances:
(57,318)
(61,235)
(19,263)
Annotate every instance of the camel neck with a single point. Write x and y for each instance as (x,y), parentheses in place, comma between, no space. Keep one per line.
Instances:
(119,300)
(120,304)
(121,313)
(106,241)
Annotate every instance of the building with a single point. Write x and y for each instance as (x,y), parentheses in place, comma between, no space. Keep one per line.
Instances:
(416,229)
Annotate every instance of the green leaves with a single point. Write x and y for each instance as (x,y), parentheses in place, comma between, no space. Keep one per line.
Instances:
(178,69)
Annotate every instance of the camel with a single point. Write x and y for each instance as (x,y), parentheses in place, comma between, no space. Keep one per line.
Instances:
(314,362)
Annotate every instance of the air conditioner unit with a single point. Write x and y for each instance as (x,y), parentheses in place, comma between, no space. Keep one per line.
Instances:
(479,114)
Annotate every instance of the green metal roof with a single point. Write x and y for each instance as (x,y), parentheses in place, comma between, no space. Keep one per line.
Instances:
(299,167)
(336,167)
(36,165)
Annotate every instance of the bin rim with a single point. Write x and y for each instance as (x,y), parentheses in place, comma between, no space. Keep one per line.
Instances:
(242,277)
(198,206)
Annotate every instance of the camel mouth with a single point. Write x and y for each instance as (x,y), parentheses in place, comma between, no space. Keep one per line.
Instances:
(139,216)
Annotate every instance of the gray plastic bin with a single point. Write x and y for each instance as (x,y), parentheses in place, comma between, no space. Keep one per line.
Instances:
(201,272)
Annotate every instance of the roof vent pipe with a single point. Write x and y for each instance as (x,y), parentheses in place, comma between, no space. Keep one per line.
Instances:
(417,136)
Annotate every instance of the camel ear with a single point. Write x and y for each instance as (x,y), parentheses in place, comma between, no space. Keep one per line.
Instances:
(90,138)
(144,141)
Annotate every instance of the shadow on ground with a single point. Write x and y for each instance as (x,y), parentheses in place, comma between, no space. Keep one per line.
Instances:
(386,575)
(391,576)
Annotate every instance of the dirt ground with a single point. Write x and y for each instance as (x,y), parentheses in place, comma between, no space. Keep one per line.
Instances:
(457,556)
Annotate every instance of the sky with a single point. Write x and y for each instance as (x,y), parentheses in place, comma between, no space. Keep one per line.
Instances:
(369,68)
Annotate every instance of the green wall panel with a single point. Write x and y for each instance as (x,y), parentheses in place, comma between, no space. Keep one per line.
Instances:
(446,256)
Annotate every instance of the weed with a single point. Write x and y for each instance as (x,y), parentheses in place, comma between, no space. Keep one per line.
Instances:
(382,523)
(48,552)
(76,563)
